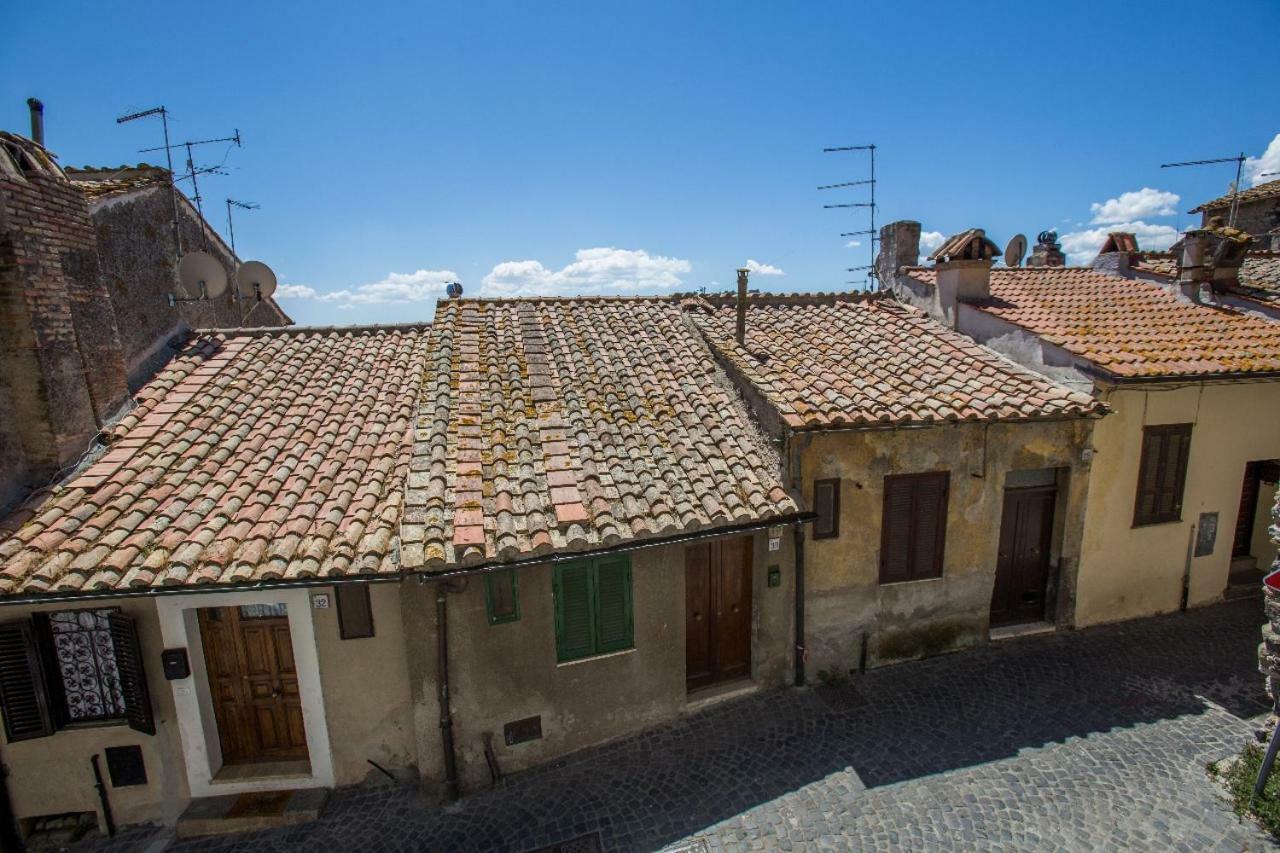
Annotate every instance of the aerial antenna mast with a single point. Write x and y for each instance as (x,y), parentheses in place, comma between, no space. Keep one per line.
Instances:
(193,170)
(243,205)
(1235,187)
(173,187)
(870,183)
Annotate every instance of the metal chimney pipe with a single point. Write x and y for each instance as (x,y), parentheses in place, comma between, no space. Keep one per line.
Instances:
(742,307)
(37,120)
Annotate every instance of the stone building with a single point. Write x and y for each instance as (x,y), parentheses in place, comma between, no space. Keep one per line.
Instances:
(1184,469)
(1257,211)
(948,481)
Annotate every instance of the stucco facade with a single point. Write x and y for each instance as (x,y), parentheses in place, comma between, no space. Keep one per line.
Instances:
(507,672)
(846,604)
(1129,571)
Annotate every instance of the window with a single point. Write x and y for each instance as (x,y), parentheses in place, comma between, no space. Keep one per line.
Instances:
(1162,474)
(501,596)
(826,503)
(913,530)
(355,611)
(71,666)
(593,607)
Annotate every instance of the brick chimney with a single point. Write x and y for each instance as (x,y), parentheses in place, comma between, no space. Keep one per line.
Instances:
(899,247)
(62,372)
(1117,253)
(963,268)
(1047,252)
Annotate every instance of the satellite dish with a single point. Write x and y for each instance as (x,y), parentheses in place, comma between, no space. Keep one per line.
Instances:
(202,274)
(255,279)
(1015,251)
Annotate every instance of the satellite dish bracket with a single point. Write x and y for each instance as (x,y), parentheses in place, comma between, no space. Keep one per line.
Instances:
(203,297)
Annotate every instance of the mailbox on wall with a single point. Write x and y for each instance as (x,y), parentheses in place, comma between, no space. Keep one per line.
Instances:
(175,664)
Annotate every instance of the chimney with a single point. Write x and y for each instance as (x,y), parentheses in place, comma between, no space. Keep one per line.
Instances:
(741,331)
(1047,252)
(1117,254)
(454,289)
(1192,269)
(37,120)
(963,268)
(899,247)
(1225,253)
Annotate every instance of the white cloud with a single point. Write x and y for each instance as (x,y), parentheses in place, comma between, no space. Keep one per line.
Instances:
(758,268)
(1082,246)
(1256,167)
(1133,206)
(295,291)
(601,270)
(930,240)
(853,244)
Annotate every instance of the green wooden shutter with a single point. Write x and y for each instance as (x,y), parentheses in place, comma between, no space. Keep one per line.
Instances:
(575,619)
(613,604)
(22,693)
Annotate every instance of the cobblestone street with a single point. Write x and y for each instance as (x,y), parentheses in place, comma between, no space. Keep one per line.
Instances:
(1087,740)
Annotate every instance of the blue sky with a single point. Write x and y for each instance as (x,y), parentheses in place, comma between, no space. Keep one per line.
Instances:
(559,148)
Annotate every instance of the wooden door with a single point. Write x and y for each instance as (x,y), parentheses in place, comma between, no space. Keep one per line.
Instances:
(1022,568)
(1242,542)
(249,658)
(717,611)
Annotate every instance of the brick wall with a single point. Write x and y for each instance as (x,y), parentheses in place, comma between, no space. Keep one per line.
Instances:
(60,358)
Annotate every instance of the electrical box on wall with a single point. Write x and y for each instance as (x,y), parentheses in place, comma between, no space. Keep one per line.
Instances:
(775,576)
(175,664)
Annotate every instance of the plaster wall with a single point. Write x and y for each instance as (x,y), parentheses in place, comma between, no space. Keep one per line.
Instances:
(1128,571)
(52,775)
(904,621)
(506,672)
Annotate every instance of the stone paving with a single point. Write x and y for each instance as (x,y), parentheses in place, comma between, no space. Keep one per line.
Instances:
(1085,740)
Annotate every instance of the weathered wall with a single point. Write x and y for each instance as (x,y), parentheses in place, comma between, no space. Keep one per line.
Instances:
(844,597)
(136,247)
(1256,217)
(59,344)
(1129,571)
(52,775)
(366,689)
(500,673)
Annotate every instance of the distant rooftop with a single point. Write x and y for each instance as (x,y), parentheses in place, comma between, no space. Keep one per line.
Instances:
(99,182)
(1271,189)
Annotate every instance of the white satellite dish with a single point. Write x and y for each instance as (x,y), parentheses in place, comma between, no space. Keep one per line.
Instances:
(255,280)
(202,274)
(1015,251)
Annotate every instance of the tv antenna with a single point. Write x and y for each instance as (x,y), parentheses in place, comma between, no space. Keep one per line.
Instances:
(193,170)
(1235,186)
(870,183)
(173,189)
(243,205)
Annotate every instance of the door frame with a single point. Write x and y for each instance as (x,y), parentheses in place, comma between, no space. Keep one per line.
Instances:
(749,544)
(1051,581)
(193,702)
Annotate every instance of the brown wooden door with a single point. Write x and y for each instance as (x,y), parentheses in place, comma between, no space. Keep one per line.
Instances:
(1242,542)
(1022,568)
(717,611)
(249,658)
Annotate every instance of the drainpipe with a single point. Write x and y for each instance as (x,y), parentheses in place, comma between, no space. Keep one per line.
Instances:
(741,330)
(801,653)
(442,679)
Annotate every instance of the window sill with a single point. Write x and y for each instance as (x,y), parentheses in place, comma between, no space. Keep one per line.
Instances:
(1165,523)
(913,580)
(604,656)
(93,724)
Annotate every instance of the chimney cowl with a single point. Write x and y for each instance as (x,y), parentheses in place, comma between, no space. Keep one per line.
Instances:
(454,289)
(36,107)
(740,330)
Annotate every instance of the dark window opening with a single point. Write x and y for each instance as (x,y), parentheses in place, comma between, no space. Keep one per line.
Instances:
(502,596)
(355,611)
(826,503)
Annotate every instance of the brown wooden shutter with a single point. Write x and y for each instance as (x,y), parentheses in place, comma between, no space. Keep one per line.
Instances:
(930,533)
(54,689)
(895,531)
(133,680)
(23,698)
(355,611)
(826,503)
(1162,473)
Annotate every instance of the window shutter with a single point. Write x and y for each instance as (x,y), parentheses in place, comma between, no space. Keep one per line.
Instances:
(1162,474)
(895,533)
(826,503)
(54,689)
(23,699)
(502,596)
(355,611)
(930,532)
(613,605)
(1148,477)
(575,621)
(133,680)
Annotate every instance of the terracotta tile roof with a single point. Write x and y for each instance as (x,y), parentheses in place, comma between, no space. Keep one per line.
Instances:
(1271,189)
(572,425)
(843,359)
(1259,274)
(255,455)
(1128,327)
(105,182)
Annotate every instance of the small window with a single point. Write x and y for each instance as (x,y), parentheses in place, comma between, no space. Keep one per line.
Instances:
(826,503)
(86,665)
(502,596)
(593,607)
(913,530)
(355,611)
(1162,474)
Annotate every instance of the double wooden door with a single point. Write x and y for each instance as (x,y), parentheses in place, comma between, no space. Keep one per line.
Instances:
(249,658)
(1022,569)
(717,611)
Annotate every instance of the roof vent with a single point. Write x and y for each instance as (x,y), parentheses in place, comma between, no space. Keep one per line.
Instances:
(454,289)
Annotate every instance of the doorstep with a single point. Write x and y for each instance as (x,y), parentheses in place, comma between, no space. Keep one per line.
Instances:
(705,697)
(232,813)
(1026,629)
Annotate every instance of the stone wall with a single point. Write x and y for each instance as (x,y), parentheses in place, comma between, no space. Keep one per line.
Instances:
(1269,650)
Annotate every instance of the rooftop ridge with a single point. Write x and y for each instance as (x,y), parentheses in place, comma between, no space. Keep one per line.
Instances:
(265,331)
